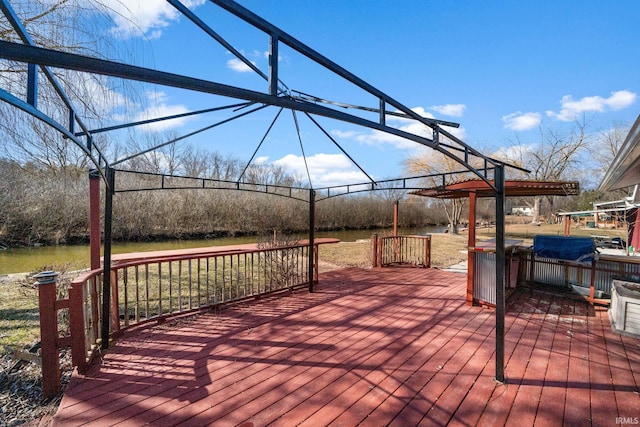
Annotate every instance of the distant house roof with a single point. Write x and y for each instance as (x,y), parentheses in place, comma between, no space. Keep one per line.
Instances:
(512,188)
(625,168)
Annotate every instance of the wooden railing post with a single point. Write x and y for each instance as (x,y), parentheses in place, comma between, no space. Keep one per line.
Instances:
(47,295)
(115,307)
(427,255)
(592,281)
(76,327)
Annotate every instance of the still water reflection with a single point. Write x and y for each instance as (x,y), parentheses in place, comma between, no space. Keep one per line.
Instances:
(77,256)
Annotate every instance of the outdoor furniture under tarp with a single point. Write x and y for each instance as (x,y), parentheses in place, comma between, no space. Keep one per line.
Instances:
(565,248)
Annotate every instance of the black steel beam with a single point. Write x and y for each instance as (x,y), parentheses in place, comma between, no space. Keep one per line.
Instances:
(312,231)
(106,264)
(501,260)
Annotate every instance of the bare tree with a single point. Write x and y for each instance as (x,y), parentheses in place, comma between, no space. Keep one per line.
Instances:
(392,193)
(431,163)
(555,156)
(72,26)
(606,145)
(166,159)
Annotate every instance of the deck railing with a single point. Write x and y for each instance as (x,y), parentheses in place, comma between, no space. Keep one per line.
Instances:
(402,250)
(152,289)
(594,277)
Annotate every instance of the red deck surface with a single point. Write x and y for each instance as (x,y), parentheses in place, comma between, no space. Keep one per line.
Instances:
(370,347)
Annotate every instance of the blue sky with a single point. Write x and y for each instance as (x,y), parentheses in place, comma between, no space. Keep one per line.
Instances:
(503,70)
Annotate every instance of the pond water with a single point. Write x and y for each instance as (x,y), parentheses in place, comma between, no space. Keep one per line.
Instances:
(76,257)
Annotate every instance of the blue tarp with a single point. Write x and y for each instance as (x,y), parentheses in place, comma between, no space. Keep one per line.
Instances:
(578,249)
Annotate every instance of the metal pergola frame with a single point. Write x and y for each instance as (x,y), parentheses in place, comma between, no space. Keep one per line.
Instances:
(278,95)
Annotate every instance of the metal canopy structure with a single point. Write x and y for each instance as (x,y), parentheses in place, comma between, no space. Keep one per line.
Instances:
(242,102)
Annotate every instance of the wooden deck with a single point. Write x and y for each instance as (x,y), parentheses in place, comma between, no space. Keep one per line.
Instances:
(371,347)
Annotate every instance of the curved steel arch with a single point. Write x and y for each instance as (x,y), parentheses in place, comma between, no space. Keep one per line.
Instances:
(490,170)
(322,193)
(213,184)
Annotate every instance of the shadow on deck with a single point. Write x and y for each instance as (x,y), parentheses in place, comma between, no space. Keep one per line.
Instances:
(389,346)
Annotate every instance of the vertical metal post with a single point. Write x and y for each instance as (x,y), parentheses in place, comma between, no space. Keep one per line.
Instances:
(273,65)
(312,226)
(94,218)
(396,240)
(32,85)
(471,243)
(500,270)
(374,257)
(106,283)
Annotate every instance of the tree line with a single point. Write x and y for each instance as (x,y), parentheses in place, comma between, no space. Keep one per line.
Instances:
(38,206)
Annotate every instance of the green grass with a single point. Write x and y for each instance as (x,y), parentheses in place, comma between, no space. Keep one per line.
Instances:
(526,232)
(19,318)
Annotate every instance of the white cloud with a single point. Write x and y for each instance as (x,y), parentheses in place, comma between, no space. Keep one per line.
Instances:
(571,109)
(379,138)
(160,108)
(460,133)
(345,134)
(237,65)
(142,18)
(261,160)
(453,110)
(621,99)
(325,169)
(418,110)
(521,121)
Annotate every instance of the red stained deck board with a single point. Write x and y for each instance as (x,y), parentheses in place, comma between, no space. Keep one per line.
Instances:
(482,391)
(434,378)
(632,352)
(578,379)
(621,360)
(248,399)
(527,399)
(421,369)
(522,336)
(601,377)
(473,356)
(246,396)
(370,347)
(553,394)
(382,396)
(251,372)
(331,409)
